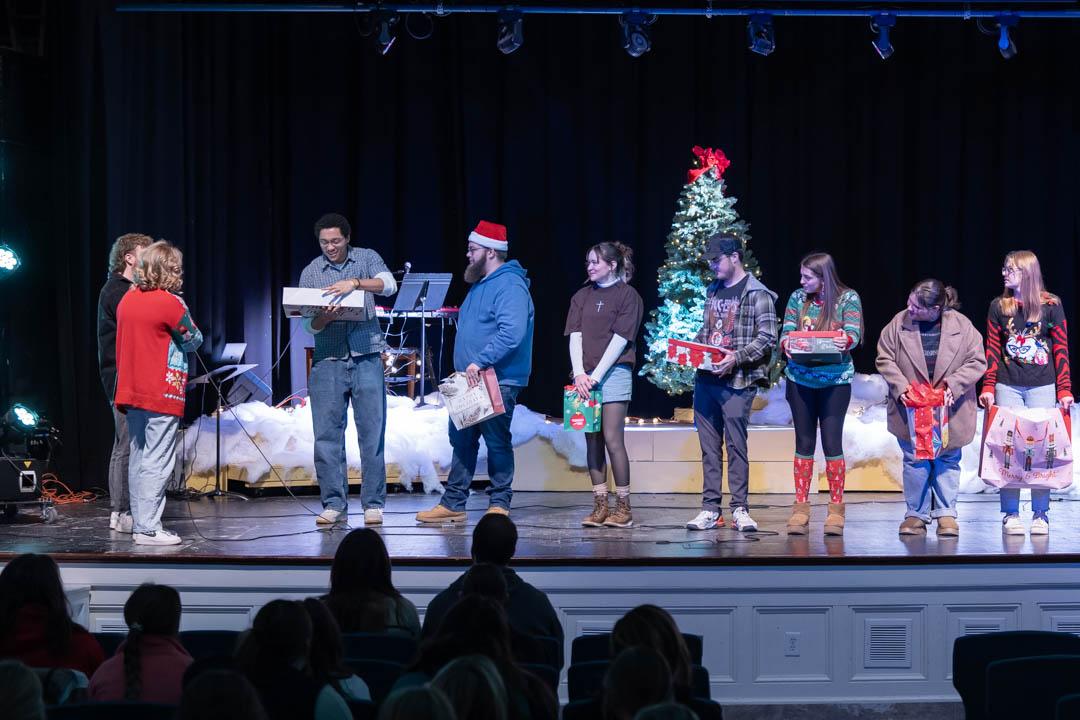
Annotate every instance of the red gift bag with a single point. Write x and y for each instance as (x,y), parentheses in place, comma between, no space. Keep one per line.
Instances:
(928,420)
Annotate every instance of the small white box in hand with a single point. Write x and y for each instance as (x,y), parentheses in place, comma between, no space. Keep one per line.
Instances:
(307,302)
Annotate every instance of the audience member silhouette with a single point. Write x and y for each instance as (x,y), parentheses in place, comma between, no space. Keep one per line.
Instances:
(216,694)
(417,703)
(474,687)
(653,627)
(275,657)
(494,541)
(328,654)
(362,597)
(149,666)
(35,620)
(21,692)
(637,678)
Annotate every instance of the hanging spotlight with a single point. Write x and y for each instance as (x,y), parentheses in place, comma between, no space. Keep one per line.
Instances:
(635,34)
(1006,46)
(511,33)
(759,31)
(385,33)
(9,260)
(881,24)
(21,418)
(420,26)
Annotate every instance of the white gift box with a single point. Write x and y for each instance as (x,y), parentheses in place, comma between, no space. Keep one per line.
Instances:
(307,302)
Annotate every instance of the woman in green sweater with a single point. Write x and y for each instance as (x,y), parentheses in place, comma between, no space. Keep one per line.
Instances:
(819,393)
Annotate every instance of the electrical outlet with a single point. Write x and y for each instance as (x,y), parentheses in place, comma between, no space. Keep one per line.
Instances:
(791,644)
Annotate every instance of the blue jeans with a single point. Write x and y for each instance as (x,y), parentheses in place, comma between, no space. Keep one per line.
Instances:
(332,384)
(931,486)
(151,458)
(500,457)
(1042,396)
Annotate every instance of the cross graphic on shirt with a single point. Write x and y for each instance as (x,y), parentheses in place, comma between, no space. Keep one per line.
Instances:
(599,305)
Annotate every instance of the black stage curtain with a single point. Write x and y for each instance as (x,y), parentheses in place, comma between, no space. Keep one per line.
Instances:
(230,134)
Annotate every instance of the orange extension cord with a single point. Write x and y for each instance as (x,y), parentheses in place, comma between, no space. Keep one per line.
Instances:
(49,491)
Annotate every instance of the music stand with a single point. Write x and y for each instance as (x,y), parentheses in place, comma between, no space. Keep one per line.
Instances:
(423,293)
(233,371)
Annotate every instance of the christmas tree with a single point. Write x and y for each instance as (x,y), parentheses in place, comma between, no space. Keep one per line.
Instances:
(703,210)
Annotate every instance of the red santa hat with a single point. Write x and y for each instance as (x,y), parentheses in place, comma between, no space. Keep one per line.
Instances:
(489,235)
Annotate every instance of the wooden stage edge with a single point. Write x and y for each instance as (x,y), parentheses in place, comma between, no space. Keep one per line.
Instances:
(281,531)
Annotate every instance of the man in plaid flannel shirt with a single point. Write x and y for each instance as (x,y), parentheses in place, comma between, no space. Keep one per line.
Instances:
(740,317)
(347,366)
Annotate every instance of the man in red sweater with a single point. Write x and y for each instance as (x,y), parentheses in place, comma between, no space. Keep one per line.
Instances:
(154,333)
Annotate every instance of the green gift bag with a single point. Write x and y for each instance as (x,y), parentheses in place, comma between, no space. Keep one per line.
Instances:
(581,414)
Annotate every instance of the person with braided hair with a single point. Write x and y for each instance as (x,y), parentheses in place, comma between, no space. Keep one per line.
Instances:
(149,666)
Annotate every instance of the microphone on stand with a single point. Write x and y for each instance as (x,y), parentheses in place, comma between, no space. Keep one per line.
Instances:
(405,269)
(407,266)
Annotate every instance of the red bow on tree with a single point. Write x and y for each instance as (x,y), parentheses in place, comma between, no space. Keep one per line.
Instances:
(708,160)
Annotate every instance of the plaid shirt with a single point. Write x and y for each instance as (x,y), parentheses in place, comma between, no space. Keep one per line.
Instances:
(343,338)
(754,334)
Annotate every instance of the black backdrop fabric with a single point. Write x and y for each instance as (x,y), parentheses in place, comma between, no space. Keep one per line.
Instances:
(230,134)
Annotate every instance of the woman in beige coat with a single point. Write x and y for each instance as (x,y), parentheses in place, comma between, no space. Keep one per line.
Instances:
(932,342)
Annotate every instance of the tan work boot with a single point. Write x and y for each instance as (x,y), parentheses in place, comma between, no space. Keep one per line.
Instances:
(440,514)
(834,521)
(620,517)
(947,527)
(799,522)
(913,526)
(599,512)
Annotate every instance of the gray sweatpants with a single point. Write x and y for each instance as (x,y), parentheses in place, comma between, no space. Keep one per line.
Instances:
(718,407)
(118,463)
(153,456)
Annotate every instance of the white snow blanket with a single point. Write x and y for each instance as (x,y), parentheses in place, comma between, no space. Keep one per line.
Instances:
(417,440)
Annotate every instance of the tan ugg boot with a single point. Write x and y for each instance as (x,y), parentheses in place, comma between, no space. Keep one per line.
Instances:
(834,521)
(799,522)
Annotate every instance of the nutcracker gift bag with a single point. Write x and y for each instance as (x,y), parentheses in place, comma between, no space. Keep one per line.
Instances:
(1026,448)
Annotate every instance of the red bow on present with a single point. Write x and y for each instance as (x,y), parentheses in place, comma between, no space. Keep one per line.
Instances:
(708,160)
(924,396)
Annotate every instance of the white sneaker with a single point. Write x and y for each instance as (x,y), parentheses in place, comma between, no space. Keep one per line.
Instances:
(1040,526)
(121,522)
(161,537)
(373,516)
(743,521)
(705,520)
(1012,525)
(330,517)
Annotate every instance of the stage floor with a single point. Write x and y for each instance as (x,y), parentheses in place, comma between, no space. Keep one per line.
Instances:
(282,530)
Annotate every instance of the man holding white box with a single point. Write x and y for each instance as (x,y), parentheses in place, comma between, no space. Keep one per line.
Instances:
(347,366)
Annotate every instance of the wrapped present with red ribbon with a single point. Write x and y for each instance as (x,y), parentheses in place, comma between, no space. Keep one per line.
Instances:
(928,420)
(692,354)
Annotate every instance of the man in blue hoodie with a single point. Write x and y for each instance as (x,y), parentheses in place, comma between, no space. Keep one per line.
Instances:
(495,330)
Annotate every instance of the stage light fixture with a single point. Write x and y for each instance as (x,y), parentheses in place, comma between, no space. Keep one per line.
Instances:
(635,32)
(420,26)
(760,32)
(21,418)
(1006,46)
(385,34)
(882,24)
(9,260)
(511,31)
